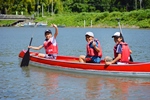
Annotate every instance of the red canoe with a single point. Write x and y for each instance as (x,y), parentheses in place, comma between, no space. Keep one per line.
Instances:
(70,63)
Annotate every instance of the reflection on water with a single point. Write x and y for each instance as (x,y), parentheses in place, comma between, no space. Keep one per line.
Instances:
(66,85)
(31,83)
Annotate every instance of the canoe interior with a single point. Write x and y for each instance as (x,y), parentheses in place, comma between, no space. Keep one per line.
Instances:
(68,58)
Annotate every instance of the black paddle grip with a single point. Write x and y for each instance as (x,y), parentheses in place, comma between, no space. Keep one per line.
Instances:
(30,41)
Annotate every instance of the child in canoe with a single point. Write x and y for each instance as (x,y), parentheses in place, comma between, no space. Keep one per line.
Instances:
(49,44)
(121,51)
(94,51)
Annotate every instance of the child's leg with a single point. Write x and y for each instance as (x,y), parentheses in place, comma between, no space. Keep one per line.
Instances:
(82,58)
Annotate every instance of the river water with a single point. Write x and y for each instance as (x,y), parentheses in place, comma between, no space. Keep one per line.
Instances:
(33,83)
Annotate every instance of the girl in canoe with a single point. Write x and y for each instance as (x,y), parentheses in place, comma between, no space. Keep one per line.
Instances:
(121,51)
(49,44)
(94,51)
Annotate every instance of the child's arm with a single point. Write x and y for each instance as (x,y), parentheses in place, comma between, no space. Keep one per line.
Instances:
(36,48)
(56,30)
(115,60)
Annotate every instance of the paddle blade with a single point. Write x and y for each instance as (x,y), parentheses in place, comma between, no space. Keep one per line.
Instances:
(25,59)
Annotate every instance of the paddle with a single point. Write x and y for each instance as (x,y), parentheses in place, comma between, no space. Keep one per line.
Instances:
(122,36)
(26,58)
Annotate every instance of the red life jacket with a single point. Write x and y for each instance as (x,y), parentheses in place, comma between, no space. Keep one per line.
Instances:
(50,48)
(92,51)
(125,55)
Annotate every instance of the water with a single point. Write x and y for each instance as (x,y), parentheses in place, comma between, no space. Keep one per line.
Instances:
(32,83)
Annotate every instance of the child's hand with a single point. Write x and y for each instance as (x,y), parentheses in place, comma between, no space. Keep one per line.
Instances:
(94,44)
(30,47)
(54,25)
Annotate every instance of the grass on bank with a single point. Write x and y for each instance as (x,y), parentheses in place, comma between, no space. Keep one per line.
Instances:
(133,19)
(140,19)
(6,22)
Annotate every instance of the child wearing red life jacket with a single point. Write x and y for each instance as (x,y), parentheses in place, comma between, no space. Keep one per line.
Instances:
(93,48)
(49,44)
(121,51)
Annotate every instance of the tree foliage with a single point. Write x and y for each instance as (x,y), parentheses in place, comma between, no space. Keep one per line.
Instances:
(61,6)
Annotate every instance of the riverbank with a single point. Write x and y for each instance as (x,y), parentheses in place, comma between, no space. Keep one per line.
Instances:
(133,19)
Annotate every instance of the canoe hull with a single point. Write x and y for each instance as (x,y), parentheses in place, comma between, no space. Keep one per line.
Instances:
(68,63)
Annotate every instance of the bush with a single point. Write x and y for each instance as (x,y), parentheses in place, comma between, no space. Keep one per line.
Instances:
(139,18)
(144,24)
